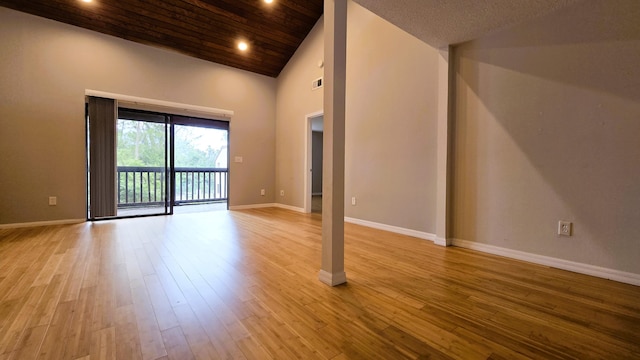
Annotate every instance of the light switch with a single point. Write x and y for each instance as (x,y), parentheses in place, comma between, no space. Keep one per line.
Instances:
(238,159)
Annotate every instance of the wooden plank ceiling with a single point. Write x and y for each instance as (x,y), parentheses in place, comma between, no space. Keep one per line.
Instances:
(205,29)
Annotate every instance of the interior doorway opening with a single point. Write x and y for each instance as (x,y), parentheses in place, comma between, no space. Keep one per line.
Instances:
(314,160)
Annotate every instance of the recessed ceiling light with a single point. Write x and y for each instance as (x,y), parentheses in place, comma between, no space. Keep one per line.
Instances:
(268,1)
(243,46)
(87,1)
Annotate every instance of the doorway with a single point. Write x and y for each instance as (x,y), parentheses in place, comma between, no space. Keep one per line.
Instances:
(161,163)
(314,159)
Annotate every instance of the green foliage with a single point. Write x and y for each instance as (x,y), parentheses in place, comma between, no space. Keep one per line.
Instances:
(186,152)
(142,143)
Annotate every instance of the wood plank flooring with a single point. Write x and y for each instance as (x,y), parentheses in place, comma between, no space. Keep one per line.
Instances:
(243,285)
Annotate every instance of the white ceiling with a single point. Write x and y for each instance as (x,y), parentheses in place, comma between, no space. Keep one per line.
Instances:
(447,22)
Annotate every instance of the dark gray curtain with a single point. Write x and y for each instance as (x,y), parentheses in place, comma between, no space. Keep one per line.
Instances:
(102,157)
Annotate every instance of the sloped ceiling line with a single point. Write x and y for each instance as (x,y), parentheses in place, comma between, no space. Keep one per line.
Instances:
(440,23)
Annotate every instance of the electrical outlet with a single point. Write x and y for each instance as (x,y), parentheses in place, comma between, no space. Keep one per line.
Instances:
(262,192)
(353,200)
(564,228)
(281,192)
(53,200)
(316,84)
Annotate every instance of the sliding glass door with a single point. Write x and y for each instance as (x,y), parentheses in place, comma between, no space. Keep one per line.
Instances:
(145,163)
(128,161)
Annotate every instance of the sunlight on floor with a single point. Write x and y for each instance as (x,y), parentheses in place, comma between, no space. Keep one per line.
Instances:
(182,209)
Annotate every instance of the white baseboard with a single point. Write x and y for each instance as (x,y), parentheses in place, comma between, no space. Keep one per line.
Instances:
(391,228)
(316,194)
(267,205)
(252,206)
(586,269)
(442,241)
(42,223)
(289,207)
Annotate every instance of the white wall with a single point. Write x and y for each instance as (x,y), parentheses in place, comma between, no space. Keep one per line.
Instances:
(45,68)
(390,124)
(392,83)
(548,128)
(295,100)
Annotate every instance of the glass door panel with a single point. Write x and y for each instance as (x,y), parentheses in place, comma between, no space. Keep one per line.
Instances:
(201,168)
(142,166)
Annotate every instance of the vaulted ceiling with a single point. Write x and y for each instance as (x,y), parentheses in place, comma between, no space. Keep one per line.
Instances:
(211,29)
(206,29)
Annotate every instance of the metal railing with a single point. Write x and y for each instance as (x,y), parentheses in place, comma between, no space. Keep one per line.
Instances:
(145,185)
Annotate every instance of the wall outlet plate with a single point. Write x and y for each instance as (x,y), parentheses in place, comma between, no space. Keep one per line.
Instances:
(316,84)
(53,200)
(564,228)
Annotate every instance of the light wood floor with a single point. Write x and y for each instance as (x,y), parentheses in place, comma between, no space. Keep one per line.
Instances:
(243,285)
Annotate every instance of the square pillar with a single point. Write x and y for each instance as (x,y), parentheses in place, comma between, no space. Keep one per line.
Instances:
(335,65)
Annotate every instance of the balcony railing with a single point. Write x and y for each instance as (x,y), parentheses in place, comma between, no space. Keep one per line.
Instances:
(145,186)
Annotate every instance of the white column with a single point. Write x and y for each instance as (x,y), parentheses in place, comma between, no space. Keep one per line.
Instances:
(442,153)
(335,64)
